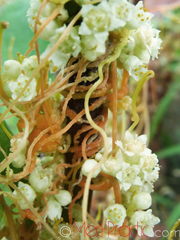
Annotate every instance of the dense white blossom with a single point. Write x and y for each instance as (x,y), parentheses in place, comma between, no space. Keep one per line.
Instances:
(133,147)
(17,86)
(113,165)
(129,175)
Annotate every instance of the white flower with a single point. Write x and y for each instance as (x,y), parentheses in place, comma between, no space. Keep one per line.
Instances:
(71,44)
(133,147)
(16,142)
(40,179)
(29,65)
(141,200)
(48,31)
(47,10)
(149,162)
(129,175)
(113,165)
(34,6)
(143,43)
(139,17)
(17,86)
(93,46)
(150,168)
(146,221)
(147,39)
(57,60)
(122,10)
(12,69)
(151,177)
(54,211)
(88,166)
(28,192)
(19,161)
(133,65)
(63,197)
(115,215)
(96,19)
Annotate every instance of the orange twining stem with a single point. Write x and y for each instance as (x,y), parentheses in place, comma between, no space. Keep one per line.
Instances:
(45,200)
(104,185)
(116,187)
(124,89)
(55,136)
(77,149)
(71,91)
(123,92)
(99,121)
(65,165)
(84,143)
(102,123)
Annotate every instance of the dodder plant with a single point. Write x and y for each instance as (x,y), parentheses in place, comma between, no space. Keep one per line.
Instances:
(62,152)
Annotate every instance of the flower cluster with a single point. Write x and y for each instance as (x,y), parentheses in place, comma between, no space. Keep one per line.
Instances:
(136,169)
(92,35)
(16,75)
(40,182)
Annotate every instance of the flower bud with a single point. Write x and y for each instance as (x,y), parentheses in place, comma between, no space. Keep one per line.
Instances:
(88,166)
(28,192)
(12,69)
(142,200)
(63,197)
(19,161)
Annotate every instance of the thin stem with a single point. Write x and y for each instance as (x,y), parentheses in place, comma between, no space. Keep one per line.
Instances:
(114,85)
